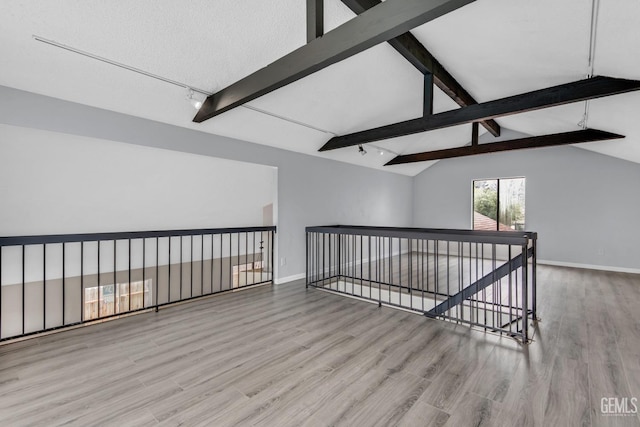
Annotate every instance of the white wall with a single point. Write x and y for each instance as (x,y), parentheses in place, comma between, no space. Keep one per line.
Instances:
(53,183)
(311,190)
(585,206)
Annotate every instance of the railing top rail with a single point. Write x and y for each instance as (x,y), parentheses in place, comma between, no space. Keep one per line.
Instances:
(85,237)
(479,236)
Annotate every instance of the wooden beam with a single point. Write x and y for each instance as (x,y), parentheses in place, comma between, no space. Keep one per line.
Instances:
(315,19)
(427,101)
(381,23)
(474,133)
(581,90)
(408,46)
(588,135)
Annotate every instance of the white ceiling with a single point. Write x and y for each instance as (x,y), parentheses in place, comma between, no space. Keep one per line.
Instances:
(495,48)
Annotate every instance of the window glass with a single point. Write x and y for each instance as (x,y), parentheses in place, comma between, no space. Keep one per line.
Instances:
(498,204)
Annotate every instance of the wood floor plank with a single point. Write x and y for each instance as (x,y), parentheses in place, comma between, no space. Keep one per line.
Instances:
(198,406)
(475,411)
(286,355)
(336,384)
(633,379)
(526,401)
(568,401)
(494,378)
(237,368)
(341,405)
(608,381)
(425,415)
(452,383)
(127,403)
(270,405)
(389,403)
(573,338)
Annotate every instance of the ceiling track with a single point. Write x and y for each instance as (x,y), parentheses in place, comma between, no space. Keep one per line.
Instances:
(119,64)
(170,81)
(595,9)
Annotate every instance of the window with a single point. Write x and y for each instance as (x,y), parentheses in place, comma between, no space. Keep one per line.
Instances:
(498,204)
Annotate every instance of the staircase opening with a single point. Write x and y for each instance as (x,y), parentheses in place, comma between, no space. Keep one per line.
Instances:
(482,278)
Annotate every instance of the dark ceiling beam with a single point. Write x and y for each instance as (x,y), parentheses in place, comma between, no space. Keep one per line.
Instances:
(315,19)
(474,133)
(581,90)
(427,97)
(587,135)
(381,23)
(408,46)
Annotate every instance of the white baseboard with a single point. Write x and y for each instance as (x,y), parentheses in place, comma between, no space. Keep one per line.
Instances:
(590,266)
(288,279)
(281,280)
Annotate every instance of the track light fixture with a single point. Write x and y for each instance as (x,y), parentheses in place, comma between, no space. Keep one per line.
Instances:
(583,122)
(361,150)
(193,99)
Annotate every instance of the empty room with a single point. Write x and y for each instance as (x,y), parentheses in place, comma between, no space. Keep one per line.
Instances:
(319,213)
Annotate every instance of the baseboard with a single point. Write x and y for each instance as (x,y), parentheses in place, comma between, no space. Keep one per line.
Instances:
(590,266)
(288,279)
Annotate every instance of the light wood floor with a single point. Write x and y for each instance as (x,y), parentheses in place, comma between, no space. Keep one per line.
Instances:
(283,355)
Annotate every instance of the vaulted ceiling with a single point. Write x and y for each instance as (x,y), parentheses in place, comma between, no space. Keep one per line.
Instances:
(494,48)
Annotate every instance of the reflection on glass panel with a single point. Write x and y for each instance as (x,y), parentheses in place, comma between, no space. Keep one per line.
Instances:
(512,203)
(248,274)
(101,302)
(485,204)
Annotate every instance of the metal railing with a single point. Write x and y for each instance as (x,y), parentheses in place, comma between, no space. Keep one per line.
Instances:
(482,278)
(56,281)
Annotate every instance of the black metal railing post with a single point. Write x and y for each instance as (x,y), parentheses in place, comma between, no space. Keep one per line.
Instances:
(0,292)
(534,274)
(525,293)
